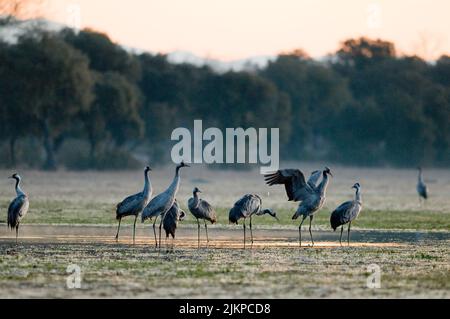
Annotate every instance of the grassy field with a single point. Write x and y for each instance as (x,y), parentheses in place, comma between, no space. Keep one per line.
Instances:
(39,270)
(66,212)
(37,267)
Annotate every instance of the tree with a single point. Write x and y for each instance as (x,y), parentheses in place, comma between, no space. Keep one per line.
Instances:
(104,55)
(357,52)
(441,71)
(114,113)
(14,117)
(11,10)
(317,94)
(57,83)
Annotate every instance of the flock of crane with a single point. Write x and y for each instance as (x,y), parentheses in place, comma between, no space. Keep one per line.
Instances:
(310,193)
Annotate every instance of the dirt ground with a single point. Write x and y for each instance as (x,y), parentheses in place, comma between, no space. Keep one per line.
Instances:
(412,264)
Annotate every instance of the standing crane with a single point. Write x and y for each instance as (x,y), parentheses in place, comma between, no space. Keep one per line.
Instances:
(422,189)
(346,213)
(134,204)
(311,197)
(173,216)
(161,203)
(201,209)
(18,208)
(246,207)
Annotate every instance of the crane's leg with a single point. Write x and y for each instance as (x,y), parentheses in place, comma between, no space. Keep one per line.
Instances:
(300,231)
(206,230)
(17,233)
(154,232)
(340,238)
(348,236)
(167,243)
(160,228)
(310,232)
(118,228)
(251,230)
(244,234)
(198,234)
(134,230)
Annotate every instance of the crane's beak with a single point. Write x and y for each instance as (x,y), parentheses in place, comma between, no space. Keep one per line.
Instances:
(278,220)
(11,177)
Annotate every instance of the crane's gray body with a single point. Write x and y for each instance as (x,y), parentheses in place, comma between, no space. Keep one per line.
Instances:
(173,216)
(345,213)
(17,210)
(201,209)
(422,189)
(348,211)
(18,207)
(311,197)
(134,204)
(161,203)
(245,207)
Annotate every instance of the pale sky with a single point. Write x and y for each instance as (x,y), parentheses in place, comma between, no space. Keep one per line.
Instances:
(235,29)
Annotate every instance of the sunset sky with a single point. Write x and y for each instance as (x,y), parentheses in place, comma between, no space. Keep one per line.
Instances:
(235,29)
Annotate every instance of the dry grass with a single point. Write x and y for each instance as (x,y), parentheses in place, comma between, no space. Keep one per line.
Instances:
(39,270)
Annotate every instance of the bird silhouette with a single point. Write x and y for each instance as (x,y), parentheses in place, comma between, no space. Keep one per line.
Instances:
(134,204)
(246,207)
(18,208)
(201,209)
(161,203)
(346,213)
(311,197)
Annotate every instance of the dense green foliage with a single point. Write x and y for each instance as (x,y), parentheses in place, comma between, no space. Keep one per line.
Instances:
(363,105)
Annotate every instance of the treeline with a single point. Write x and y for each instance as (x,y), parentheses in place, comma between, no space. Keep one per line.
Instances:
(81,101)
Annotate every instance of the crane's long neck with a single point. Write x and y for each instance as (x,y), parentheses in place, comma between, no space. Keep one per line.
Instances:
(358,196)
(147,185)
(19,190)
(324,184)
(420,176)
(173,188)
(196,199)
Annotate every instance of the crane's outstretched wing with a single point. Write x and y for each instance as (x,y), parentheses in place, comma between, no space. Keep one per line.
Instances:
(314,178)
(17,210)
(294,181)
